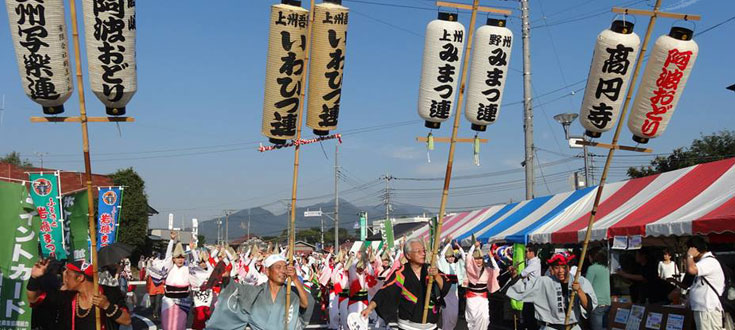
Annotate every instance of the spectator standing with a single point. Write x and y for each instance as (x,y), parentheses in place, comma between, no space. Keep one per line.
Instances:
(599,276)
(708,285)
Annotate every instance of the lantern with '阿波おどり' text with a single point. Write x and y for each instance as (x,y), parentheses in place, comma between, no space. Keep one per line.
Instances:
(612,66)
(38,29)
(443,50)
(329,40)
(667,71)
(109,34)
(285,66)
(488,71)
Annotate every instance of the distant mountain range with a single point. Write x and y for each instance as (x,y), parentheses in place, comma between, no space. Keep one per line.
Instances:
(265,223)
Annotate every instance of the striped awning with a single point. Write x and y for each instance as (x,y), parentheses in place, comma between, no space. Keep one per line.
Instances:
(696,200)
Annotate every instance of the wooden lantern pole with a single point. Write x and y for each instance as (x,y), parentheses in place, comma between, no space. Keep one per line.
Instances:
(297,149)
(475,7)
(83,120)
(612,147)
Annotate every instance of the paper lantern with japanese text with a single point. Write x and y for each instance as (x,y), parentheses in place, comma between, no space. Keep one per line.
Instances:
(668,68)
(443,48)
(488,71)
(329,40)
(612,66)
(39,36)
(109,35)
(285,66)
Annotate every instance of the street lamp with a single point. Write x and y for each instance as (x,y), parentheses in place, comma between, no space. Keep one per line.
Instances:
(566,119)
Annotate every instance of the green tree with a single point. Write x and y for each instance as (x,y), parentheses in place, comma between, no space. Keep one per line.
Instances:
(201,240)
(134,214)
(707,148)
(14,158)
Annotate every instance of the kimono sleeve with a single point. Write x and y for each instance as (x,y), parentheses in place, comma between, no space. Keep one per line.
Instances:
(231,311)
(528,292)
(591,297)
(387,299)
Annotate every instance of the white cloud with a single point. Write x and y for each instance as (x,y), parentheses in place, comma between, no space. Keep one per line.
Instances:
(407,153)
(682,4)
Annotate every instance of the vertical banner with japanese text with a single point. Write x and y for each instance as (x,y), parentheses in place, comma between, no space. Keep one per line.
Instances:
(18,246)
(76,217)
(108,208)
(45,194)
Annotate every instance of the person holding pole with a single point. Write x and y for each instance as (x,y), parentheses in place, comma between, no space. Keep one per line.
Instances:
(550,295)
(408,286)
(76,300)
(262,306)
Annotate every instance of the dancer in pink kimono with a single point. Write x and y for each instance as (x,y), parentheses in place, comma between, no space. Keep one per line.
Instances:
(482,278)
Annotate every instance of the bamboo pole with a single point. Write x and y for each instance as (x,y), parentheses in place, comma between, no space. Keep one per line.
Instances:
(297,149)
(610,154)
(85,149)
(450,160)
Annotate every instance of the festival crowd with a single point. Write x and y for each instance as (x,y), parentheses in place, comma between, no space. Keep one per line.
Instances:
(221,288)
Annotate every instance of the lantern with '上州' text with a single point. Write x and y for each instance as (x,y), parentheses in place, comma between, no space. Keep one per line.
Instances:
(109,34)
(668,68)
(612,66)
(285,66)
(488,71)
(443,50)
(329,40)
(39,35)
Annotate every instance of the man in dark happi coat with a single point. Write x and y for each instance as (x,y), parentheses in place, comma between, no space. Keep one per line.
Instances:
(407,286)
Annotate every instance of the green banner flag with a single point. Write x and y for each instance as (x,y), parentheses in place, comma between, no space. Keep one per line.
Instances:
(363,226)
(388,230)
(519,257)
(45,193)
(76,225)
(18,245)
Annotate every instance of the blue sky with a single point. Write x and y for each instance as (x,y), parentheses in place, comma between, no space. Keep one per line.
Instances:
(201,69)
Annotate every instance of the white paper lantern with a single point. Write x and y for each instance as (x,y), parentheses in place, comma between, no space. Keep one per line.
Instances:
(39,36)
(285,66)
(666,74)
(612,66)
(109,35)
(443,49)
(329,40)
(488,71)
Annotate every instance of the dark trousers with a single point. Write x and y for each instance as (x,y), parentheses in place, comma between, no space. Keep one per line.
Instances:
(529,317)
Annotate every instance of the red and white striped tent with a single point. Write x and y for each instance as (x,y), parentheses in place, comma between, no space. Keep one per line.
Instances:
(697,200)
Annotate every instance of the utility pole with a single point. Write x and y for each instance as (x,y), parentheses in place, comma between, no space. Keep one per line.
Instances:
(248,224)
(227,226)
(40,156)
(527,89)
(336,200)
(219,230)
(386,198)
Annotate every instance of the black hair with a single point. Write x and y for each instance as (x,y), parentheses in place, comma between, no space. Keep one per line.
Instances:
(600,257)
(699,243)
(533,248)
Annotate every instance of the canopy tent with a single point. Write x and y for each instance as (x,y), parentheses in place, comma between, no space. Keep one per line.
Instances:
(695,200)
(522,218)
(458,222)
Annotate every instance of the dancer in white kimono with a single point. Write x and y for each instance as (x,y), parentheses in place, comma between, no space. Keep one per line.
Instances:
(179,278)
(482,278)
(550,295)
(453,269)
